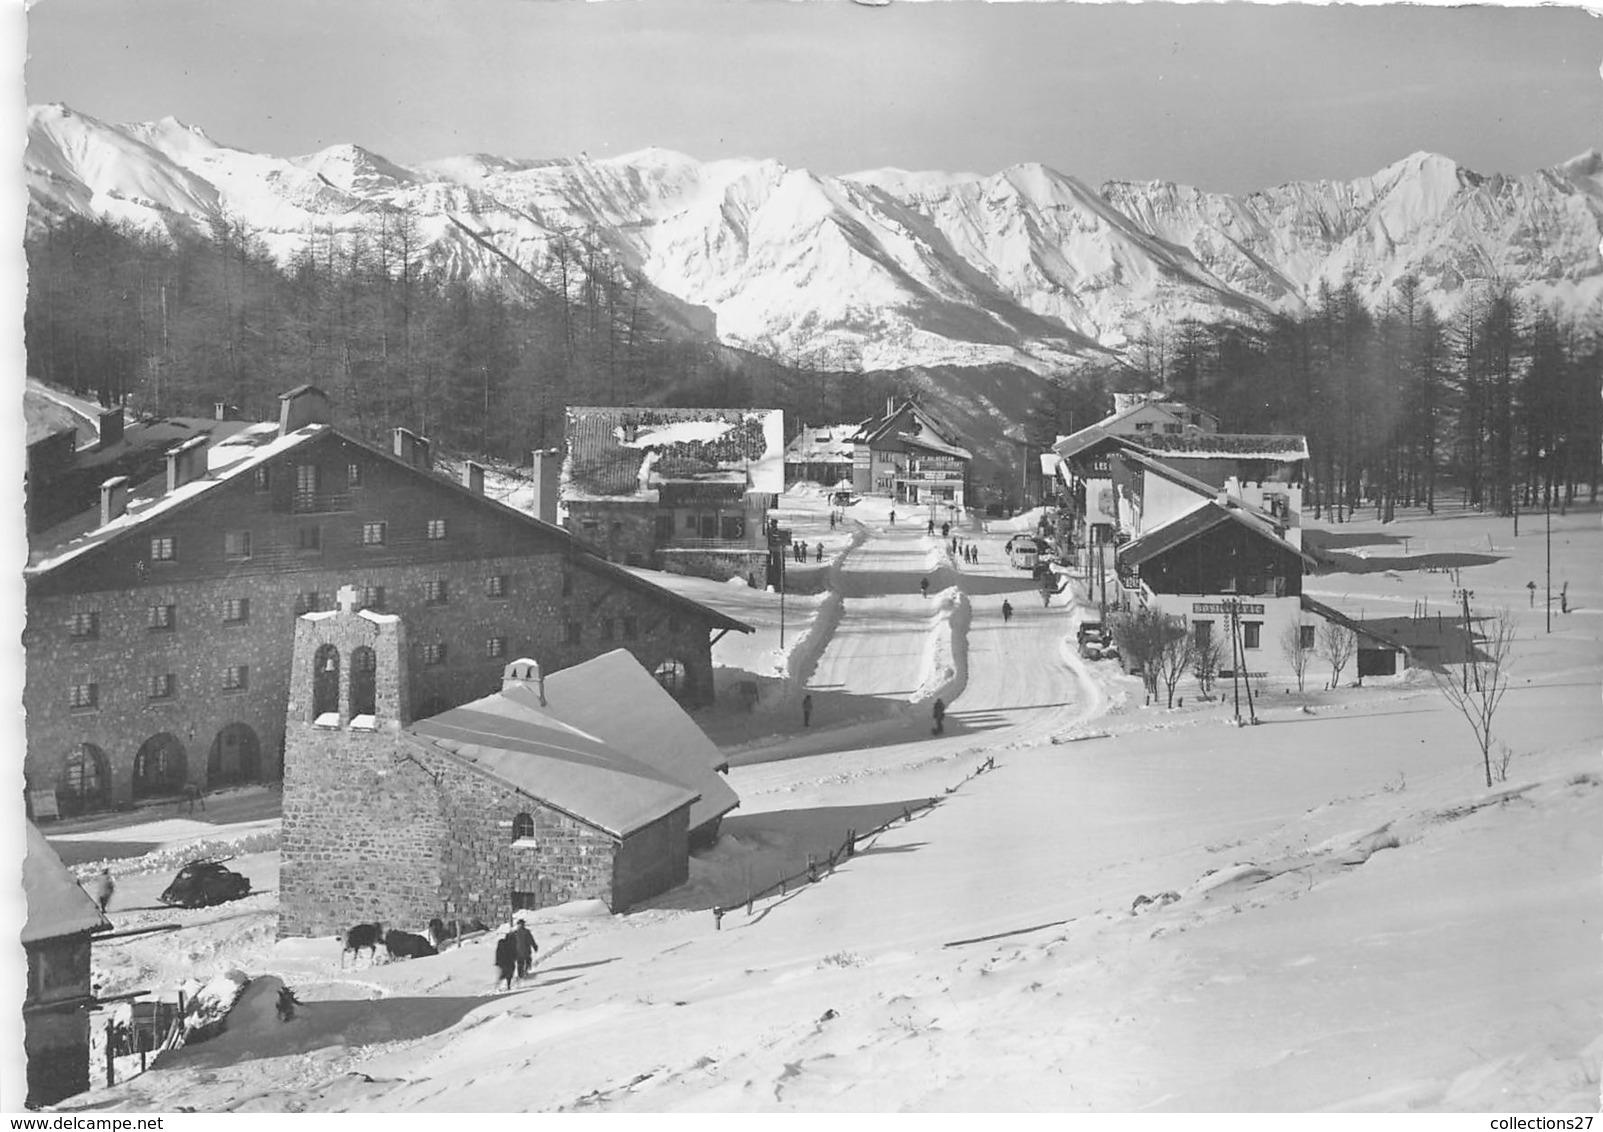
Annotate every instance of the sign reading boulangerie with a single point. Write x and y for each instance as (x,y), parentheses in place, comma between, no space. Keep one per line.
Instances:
(1243,608)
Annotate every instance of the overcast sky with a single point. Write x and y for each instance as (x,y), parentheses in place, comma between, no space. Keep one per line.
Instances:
(1227,97)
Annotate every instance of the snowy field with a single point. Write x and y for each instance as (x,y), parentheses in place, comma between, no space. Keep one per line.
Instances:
(1109,908)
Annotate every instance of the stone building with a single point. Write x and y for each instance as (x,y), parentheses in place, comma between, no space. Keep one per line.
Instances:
(61,919)
(482,810)
(160,622)
(683,490)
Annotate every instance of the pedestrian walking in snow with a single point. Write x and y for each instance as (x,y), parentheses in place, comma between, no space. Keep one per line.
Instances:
(932,526)
(939,711)
(101,888)
(506,960)
(893,518)
(819,554)
(946,530)
(524,948)
(923,587)
(807,710)
(1007,611)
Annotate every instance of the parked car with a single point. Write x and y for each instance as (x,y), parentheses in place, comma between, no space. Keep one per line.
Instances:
(203,883)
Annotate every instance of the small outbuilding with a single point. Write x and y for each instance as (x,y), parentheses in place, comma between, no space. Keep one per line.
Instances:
(55,1009)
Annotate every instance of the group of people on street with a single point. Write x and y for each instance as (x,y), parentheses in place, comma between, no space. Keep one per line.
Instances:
(514,954)
(798,550)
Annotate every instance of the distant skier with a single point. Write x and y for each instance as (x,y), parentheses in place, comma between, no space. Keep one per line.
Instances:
(939,711)
(807,710)
(1007,611)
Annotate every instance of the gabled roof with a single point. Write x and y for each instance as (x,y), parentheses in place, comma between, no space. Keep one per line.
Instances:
(620,452)
(57,904)
(507,739)
(1200,519)
(1079,443)
(251,446)
(1226,445)
(934,444)
(615,699)
(876,428)
(1203,489)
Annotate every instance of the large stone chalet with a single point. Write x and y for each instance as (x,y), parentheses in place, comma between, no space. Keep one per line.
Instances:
(682,490)
(160,622)
(911,456)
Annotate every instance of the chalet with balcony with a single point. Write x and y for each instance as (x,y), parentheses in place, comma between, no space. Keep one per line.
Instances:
(682,490)
(911,456)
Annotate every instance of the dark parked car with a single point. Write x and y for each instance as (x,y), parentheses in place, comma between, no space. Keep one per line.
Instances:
(200,884)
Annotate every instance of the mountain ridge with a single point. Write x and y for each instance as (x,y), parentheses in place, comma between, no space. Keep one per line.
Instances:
(893,268)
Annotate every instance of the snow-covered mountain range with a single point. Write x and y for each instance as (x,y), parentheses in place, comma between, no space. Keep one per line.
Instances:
(888,268)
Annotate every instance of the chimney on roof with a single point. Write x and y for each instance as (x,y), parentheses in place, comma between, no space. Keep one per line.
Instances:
(524,673)
(304,405)
(890,406)
(113,499)
(110,427)
(220,410)
(186,463)
(473,477)
(412,448)
(547,476)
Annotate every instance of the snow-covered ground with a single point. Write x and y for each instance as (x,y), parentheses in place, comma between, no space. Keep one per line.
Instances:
(1109,907)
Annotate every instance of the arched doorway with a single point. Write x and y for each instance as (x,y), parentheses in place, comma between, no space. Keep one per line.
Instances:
(236,756)
(364,678)
(84,783)
(160,767)
(325,681)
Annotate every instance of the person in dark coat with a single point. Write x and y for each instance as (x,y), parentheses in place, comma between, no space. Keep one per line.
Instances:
(819,555)
(939,711)
(101,888)
(807,710)
(506,960)
(923,587)
(524,948)
(1007,611)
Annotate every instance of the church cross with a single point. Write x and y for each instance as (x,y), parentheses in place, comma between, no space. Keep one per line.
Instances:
(347,598)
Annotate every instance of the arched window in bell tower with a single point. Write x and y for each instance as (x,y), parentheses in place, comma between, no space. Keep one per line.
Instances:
(325,681)
(364,680)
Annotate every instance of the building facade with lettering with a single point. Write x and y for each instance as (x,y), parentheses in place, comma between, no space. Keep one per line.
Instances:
(160,623)
(912,457)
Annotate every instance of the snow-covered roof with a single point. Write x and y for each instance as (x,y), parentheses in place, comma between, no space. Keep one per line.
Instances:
(241,451)
(934,443)
(57,904)
(537,754)
(1203,489)
(1226,445)
(617,452)
(825,444)
(615,699)
(1187,525)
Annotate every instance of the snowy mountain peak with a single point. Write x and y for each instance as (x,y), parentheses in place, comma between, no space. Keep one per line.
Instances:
(354,169)
(1027,266)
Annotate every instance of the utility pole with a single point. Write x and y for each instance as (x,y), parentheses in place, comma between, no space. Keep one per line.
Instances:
(1547,507)
(1235,664)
